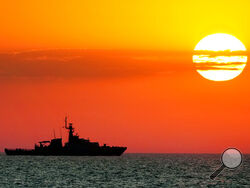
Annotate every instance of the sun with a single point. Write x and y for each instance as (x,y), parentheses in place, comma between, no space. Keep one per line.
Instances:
(220,57)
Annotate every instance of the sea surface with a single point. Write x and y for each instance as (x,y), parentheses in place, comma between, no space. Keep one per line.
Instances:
(129,170)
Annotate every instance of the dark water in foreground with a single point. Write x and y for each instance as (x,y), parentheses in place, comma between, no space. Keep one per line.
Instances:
(129,170)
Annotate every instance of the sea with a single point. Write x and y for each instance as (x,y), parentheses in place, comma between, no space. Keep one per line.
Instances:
(128,170)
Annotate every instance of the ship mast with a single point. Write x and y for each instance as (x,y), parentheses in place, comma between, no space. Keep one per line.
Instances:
(70,128)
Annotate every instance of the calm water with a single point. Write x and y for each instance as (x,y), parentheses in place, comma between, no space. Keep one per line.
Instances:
(129,170)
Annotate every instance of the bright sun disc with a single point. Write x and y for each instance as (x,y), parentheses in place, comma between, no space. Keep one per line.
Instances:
(220,57)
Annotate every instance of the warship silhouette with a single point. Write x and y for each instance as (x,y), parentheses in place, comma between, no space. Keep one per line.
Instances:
(74,147)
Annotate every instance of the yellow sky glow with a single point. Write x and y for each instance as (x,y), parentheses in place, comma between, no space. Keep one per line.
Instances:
(111,24)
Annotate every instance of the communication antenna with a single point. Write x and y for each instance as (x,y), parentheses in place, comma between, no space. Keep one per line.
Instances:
(61,132)
(54,133)
(66,122)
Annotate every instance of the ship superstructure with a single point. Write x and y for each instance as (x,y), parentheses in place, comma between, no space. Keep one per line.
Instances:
(75,146)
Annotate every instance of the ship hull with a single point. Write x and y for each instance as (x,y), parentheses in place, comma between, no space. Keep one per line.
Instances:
(112,151)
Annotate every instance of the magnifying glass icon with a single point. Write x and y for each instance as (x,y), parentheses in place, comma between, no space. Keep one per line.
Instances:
(231,158)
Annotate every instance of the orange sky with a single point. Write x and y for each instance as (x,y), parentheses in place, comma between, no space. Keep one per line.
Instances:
(134,83)
(136,24)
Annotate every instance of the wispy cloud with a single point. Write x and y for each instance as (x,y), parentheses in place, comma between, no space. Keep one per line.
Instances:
(89,63)
(220,53)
